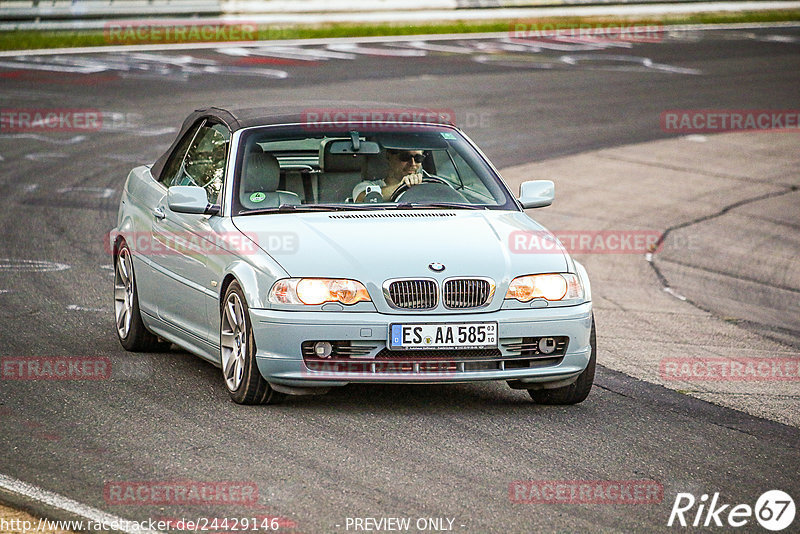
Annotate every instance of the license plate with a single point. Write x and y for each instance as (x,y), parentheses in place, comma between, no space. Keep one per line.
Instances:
(443,336)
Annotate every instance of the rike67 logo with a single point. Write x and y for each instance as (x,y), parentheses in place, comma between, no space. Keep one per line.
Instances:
(774,510)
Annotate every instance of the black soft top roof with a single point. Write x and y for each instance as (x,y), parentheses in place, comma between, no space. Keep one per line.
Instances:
(238,118)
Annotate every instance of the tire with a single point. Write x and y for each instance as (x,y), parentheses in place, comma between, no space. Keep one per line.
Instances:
(131,332)
(238,352)
(578,390)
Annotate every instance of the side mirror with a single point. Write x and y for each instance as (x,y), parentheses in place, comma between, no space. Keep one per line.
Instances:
(536,193)
(189,199)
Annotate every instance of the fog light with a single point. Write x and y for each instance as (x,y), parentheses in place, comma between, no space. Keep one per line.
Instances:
(323,349)
(547,345)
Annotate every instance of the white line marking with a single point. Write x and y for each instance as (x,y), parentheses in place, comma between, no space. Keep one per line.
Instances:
(70,141)
(377,39)
(674,293)
(128,63)
(235,51)
(588,40)
(243,71)
(127,158)
(372,51)
(108,521)
(310,54)
(41,156)
(35,266)
(695,138)
(778,39)
(281,53)
(178,61)
(30,94)
(512,62)
(634,63)
(286,52)
(75,307)
(52,68)
(446,49)
(384,39)
(155,132)
(497,46)
(549,45)
(670,68)
(96,192)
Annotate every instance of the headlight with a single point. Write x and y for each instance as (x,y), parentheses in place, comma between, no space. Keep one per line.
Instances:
(313,291)
(547,286)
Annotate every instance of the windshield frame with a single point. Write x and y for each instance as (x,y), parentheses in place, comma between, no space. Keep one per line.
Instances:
(240,138)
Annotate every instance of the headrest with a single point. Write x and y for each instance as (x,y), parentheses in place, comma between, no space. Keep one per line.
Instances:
(262,172)
(377,167)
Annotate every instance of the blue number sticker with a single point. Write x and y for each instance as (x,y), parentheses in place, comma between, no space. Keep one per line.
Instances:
(397,335)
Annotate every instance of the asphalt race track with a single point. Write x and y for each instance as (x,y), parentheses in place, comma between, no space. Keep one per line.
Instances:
(447,452)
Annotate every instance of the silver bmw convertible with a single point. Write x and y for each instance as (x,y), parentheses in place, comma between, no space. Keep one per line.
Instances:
(302,251)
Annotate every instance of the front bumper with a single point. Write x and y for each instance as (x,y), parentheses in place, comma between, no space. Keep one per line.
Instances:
(280,334)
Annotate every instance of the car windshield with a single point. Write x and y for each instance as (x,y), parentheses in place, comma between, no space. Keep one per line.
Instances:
(285,169)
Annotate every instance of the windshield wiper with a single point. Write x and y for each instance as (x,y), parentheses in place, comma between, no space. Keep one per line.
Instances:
(305,208)
(426,205)
(300,208)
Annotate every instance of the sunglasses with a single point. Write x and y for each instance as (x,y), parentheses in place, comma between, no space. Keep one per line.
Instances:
(405,157)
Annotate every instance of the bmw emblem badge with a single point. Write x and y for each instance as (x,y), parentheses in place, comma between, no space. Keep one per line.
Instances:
(436,267)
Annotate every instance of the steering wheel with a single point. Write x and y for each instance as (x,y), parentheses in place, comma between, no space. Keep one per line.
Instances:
(427,179)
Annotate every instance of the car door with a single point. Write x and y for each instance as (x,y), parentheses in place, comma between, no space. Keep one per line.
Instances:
(181,269)
(146,192)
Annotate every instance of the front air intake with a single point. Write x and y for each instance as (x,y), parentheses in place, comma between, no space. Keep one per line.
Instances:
(412,294)
(466,293)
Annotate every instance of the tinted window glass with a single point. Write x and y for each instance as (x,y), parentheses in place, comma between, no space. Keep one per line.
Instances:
(287,165)
(174,162)
(204,163)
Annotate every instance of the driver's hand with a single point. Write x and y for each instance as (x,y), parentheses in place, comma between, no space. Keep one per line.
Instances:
(411,179)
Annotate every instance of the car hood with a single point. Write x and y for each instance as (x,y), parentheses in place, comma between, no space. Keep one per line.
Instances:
(374,246)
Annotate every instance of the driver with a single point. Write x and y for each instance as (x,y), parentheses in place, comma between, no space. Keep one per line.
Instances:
(405,167)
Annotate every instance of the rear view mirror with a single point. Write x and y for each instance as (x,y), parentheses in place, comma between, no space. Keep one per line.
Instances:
(537,193)
(347,147)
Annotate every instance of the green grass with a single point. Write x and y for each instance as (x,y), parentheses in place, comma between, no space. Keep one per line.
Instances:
(34,39)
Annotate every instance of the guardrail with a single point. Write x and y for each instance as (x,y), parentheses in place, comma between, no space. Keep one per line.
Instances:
(79,9)
(37,10)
